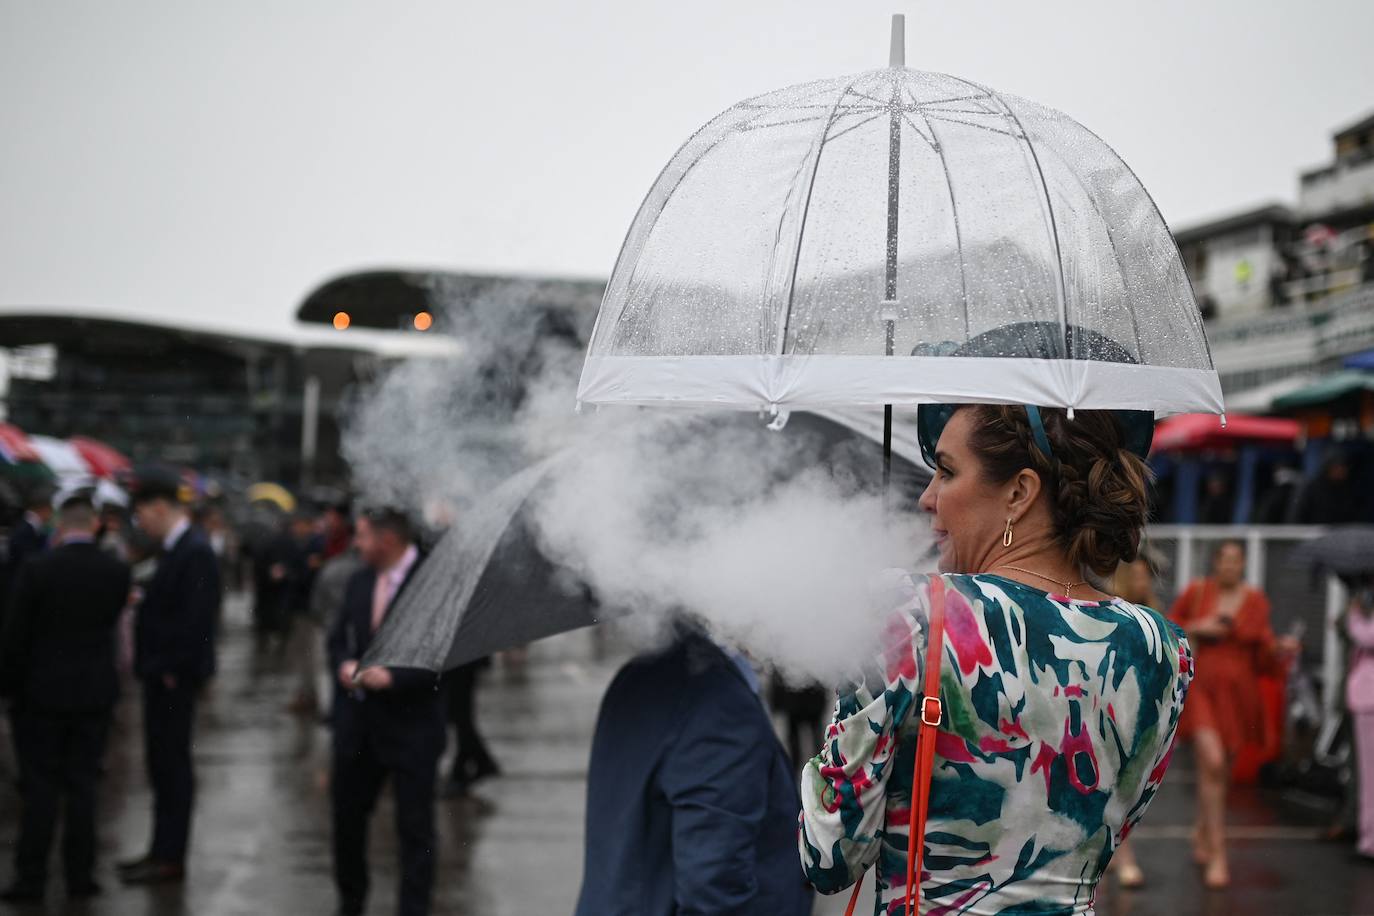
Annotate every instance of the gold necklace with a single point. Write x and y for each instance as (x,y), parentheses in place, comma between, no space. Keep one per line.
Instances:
(1067,586)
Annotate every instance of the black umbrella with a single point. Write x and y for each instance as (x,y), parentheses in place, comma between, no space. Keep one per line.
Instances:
(1347,552)
(487,586)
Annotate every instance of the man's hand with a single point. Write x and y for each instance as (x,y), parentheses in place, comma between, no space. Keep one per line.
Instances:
(169,681)
(277,572)
(346,672)
(375,679)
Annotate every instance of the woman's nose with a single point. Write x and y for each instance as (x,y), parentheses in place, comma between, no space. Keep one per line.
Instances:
(927,501)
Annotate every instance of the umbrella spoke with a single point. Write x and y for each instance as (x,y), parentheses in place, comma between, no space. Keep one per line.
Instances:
(967,111)
(930,141)
(954,215)
(949,101)
(866,121)
(995,130)
(764,125)
(786,321)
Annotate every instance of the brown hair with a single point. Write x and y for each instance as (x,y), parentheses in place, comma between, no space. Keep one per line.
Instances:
(1099,490)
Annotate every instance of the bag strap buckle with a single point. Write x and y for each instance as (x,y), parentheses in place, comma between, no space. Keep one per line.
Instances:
(932,710)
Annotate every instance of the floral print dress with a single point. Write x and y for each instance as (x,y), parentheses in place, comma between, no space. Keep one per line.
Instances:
(1059,722)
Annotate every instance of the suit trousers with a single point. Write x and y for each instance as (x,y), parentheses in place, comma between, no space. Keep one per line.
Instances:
(361,769)
(168,713)
(59,761)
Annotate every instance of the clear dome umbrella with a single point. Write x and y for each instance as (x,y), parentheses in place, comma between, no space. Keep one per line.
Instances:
(897,238)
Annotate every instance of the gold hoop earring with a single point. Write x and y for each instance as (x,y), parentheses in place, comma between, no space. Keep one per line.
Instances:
(1006,537)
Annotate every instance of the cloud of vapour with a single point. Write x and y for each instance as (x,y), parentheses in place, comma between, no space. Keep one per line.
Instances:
(770,538)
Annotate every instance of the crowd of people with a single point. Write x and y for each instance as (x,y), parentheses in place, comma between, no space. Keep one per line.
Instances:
(92,597)
(691,796)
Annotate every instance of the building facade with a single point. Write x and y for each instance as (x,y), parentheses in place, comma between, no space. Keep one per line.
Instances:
(1288,292)
(249,407)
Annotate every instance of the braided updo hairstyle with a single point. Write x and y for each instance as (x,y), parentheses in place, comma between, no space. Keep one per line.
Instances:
(1098,489)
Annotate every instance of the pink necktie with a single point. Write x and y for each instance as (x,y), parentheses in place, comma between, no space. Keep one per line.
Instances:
(380,594)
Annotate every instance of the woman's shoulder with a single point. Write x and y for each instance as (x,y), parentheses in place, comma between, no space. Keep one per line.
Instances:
(897,588)
(993,589)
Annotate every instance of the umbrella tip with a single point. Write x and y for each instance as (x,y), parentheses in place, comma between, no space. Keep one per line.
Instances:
(897,51)
(1223,419)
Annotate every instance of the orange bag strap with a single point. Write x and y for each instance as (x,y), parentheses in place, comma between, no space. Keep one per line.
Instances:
(931,712)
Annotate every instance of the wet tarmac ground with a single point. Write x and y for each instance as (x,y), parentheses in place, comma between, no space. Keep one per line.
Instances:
(260,840)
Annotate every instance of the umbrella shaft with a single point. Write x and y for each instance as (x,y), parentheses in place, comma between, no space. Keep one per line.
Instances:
(887,449)
(894,174)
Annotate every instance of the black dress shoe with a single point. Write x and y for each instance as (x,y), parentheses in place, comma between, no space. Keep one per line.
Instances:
(155,872)
(21,892)
(83,890)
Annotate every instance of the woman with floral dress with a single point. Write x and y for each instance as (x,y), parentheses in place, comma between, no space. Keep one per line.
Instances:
(1060,702)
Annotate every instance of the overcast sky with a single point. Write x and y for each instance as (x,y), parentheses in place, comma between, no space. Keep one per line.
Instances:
(217,161)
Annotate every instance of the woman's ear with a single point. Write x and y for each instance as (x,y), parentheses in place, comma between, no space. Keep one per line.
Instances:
(1023,491)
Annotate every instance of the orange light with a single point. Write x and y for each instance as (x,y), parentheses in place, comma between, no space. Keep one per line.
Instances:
(423,320)
(341,321)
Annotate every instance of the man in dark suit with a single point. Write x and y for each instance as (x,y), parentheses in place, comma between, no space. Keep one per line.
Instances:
(27,538)
(57,663)
(174,653)
(691,803)
(388,723)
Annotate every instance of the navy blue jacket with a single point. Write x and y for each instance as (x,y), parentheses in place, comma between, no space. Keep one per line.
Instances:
(175,630)
(691,802)
(408,718)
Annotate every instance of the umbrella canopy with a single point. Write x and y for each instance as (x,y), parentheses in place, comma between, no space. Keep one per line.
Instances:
(1329,390)
(1347,552)
(105,461)
(487,586)
(61,457)
(273,493)
(1191,432)
(840,243)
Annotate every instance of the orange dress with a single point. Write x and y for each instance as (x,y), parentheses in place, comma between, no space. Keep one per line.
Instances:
(1225,695)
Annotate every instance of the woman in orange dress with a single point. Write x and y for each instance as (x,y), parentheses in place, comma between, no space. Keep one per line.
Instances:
(1227,622)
